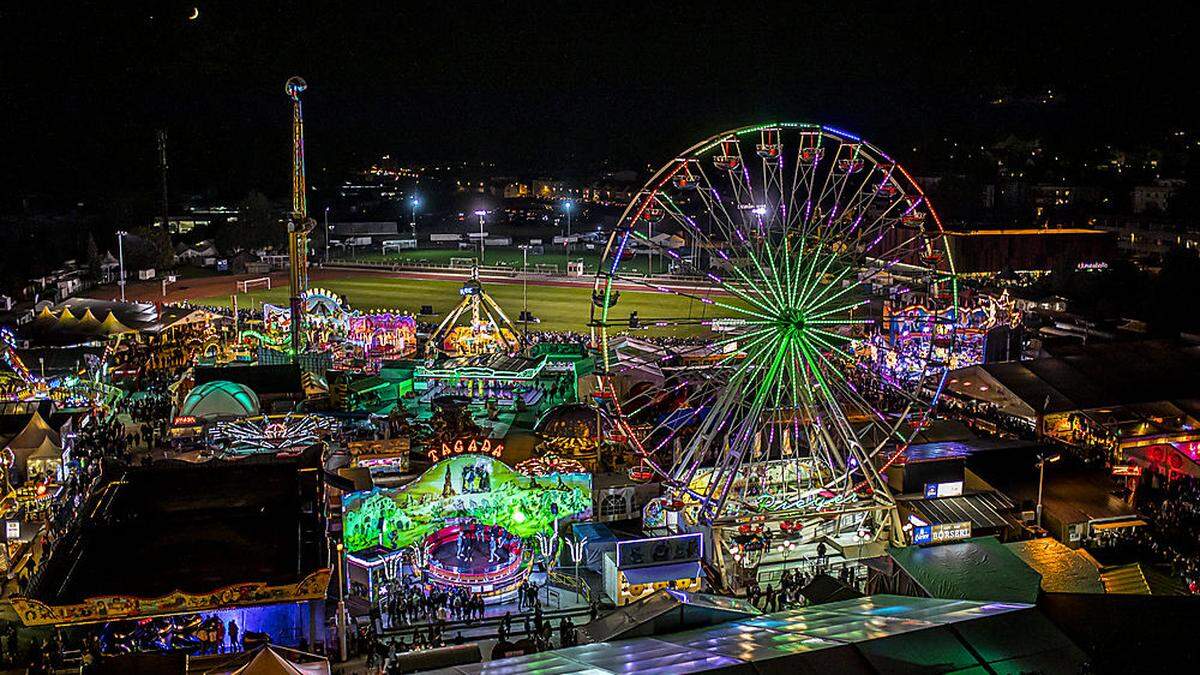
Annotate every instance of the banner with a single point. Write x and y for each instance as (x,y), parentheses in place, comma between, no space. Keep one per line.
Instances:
(115,607)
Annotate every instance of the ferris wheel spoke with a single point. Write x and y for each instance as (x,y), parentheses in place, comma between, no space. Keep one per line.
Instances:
(846,387)
(825,448)
(711,198)
(706,301)
(725,406)
(763,303)
(848,440)
(747,432)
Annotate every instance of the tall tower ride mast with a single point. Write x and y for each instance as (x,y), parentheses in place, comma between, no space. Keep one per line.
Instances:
(299,224)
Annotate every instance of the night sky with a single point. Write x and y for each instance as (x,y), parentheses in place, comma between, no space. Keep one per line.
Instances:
(553,86)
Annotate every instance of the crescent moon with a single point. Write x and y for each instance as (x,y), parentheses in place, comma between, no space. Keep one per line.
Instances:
(195,14)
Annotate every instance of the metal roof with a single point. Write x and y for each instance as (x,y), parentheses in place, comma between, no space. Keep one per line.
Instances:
(797,638)
(983,509)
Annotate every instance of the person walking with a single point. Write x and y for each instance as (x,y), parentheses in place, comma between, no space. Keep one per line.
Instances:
(234,645)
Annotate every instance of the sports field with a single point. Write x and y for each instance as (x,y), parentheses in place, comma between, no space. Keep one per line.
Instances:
(510,257)
(558,307)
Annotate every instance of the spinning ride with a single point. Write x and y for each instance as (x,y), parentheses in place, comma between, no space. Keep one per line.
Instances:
(490,330)
(796,238)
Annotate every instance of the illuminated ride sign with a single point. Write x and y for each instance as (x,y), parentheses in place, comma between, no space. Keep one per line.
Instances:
(476,487)
(471,446)
(677,548)
(941,533)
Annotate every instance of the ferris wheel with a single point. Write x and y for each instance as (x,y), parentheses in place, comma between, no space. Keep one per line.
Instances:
(767,374)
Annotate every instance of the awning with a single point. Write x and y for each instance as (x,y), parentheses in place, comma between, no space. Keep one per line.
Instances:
(982,509)
(660,573)
(1115,524)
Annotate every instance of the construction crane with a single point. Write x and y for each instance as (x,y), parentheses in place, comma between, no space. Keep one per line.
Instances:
(299,224)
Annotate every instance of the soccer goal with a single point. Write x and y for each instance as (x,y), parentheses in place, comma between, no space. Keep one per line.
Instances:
(248,284)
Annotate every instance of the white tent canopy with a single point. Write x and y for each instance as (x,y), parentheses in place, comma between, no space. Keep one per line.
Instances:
(271,660)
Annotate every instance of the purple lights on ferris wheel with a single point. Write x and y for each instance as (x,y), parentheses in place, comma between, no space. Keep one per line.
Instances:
(788,303)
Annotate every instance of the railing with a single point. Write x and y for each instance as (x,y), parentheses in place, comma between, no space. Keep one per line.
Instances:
(507,270)
(572,583)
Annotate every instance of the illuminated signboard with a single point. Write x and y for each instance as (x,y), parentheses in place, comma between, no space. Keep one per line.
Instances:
(941,533)
(477,487)
(675,548)
(472,446)
(937,490)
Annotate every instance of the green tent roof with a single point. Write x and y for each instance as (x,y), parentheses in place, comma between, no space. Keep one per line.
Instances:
(976,569)
(220,398)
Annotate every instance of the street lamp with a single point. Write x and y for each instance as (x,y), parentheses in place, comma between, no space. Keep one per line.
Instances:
(525,293)
(327,231)
(576,548)
(414,202)
(567,208)
(481,213)
(1041,465)
(121,234)
(341,608)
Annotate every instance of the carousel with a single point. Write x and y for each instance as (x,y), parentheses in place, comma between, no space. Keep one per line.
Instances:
(355,340)
(470,521)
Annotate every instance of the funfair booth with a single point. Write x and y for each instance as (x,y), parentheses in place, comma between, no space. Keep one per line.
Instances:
(354,340)
(641,567)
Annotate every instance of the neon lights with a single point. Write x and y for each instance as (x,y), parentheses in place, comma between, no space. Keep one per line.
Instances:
(472,446)
(272,434)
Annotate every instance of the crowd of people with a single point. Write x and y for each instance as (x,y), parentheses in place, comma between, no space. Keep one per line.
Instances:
(1174,537)
(99,437)
(406,603)
(789,593)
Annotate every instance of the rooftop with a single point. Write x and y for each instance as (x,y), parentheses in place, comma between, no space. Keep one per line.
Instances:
(881,633)
(176,526)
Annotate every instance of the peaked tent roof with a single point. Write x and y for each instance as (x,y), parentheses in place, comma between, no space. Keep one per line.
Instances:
(47,450)
(35,431)
(88,322)
(66,319)
(270,660)
(113,326)
(267,662)
(37,437)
